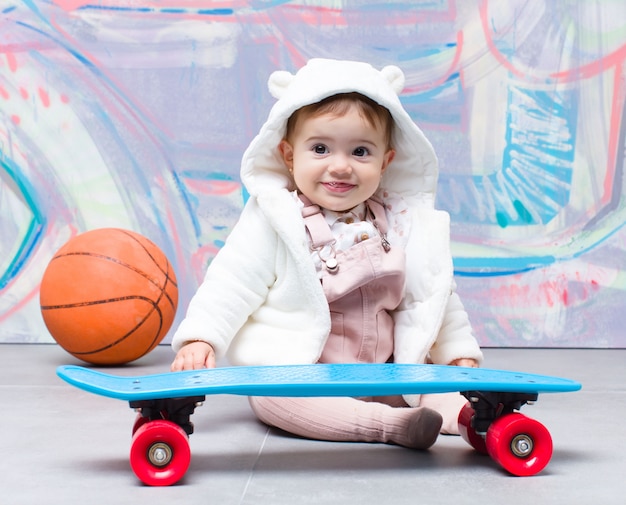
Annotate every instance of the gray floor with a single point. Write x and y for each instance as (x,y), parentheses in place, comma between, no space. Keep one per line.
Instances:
(63,446)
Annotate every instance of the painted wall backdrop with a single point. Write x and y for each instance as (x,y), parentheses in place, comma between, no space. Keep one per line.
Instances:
(135,114)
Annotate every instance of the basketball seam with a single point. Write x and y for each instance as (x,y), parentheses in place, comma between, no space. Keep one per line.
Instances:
(155,308)
(166,273)
(162,289)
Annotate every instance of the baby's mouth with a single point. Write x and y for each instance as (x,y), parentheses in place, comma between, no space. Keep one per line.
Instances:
(338,185)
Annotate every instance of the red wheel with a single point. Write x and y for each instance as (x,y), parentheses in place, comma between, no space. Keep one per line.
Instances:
(139,422)
(521,445)
(467,430)
(160,453)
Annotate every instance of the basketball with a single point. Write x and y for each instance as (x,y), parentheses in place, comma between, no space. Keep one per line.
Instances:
(109,296)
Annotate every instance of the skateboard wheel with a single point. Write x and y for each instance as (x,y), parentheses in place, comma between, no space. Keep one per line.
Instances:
(139,422)
(160,454)
(467,430)
(522,446)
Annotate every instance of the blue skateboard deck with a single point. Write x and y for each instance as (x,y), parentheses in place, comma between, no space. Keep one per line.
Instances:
(313,380)
(160,452)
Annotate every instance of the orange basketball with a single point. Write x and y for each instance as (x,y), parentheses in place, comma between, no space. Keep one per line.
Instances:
(109,296)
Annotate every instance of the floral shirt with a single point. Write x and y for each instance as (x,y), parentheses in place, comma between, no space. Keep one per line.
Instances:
(351,227)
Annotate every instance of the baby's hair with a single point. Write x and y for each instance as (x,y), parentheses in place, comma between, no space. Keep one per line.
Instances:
(375,114)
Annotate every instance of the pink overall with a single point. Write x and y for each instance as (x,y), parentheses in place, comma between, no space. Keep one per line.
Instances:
(361,284)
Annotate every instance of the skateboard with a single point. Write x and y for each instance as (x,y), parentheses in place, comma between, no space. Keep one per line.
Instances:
(160,452)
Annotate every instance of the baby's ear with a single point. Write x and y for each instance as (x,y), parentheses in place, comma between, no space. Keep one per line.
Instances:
(278,83)
(395,77)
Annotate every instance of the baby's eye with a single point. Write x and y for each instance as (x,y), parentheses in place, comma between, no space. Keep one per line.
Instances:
(361,151)
(320,149)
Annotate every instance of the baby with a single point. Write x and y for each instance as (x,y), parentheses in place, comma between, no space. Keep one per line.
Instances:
(339,256)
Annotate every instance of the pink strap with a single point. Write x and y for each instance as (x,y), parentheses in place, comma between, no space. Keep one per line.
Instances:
(316,225)
(377,208)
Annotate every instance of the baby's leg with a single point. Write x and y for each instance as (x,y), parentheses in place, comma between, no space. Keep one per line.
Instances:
(350,420)
(449,405)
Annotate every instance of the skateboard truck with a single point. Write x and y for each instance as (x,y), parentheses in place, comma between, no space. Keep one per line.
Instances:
(489,406)
(176,410)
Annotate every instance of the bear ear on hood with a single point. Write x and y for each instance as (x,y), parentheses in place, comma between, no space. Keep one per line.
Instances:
(395,77)
(278,83)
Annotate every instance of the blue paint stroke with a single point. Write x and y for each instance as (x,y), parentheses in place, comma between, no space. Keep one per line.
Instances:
(164,10)
(498,267)
(35,228)
(533,184)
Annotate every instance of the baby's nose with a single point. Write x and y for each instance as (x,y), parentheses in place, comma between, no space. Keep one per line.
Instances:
(340,164)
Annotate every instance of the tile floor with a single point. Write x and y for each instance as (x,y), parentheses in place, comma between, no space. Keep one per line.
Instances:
(63,446)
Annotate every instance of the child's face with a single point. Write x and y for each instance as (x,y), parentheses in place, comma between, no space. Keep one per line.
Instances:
(337,161)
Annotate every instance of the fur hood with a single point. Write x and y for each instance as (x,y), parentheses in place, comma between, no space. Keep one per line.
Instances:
(413,172)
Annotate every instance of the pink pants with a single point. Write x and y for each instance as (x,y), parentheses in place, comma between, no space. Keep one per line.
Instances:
(380,419)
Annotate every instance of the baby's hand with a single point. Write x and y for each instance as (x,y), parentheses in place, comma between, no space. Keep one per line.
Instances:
(469,362)
(193,356)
